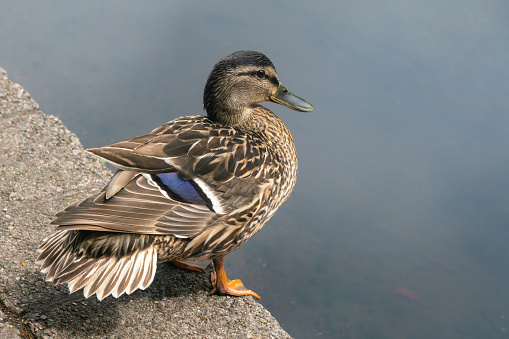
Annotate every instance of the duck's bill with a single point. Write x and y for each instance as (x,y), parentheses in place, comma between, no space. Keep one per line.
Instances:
(284,97)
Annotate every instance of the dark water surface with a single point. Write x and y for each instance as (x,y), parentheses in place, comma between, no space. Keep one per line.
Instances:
(399,224)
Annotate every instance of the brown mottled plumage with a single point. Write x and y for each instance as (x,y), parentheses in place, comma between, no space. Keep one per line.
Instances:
(194,188)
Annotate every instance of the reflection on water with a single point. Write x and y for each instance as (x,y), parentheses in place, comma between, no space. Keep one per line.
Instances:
(398,225)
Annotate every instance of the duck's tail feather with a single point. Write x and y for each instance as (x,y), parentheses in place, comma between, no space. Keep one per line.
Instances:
(104,275)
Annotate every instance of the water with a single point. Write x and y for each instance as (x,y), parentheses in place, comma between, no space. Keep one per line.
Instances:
(398,226)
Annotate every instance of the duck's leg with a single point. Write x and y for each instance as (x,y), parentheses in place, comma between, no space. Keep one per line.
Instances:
(223,285)
(192,265)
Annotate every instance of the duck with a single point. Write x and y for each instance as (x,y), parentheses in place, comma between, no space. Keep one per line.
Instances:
(191,191)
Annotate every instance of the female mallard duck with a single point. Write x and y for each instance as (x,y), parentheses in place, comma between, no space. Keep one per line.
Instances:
(194,188)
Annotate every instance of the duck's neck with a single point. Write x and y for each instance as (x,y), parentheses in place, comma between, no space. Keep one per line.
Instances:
(265,125)
(255,120)
(224,104)
(236,115)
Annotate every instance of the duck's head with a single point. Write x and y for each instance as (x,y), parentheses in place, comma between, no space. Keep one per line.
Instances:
(241,80)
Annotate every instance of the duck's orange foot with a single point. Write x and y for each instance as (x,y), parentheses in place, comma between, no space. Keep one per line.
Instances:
(231,287)
(223,285)
(192,265)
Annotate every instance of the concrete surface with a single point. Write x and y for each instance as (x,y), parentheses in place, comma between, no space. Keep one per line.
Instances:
(43,169)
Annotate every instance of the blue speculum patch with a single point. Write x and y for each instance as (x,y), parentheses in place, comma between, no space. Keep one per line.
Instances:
(178,188)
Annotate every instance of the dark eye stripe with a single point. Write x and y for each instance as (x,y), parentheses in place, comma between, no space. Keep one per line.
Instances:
(248,73)
(272,79)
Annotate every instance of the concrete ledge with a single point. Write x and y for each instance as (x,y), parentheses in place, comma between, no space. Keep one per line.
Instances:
(43,169)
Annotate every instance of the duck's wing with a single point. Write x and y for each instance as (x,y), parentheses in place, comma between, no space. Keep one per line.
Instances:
(193,147)
(177,180)
(225,166)
(141,205)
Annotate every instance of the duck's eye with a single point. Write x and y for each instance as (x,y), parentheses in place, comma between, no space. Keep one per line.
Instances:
(260,73)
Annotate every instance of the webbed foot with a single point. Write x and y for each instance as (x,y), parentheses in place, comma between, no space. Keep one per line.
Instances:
(223,285)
